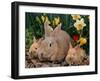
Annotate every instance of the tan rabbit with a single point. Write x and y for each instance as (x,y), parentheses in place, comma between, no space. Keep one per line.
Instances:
(75,55)
(55,45)
(34,47)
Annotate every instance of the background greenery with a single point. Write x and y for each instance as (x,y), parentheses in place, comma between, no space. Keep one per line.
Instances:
(35,27)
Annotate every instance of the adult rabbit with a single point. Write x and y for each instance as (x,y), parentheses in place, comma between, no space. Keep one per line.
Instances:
(55,45)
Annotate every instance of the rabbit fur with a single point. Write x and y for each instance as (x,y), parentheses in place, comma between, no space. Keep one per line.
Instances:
(55,45)
(75,55)
(33,48)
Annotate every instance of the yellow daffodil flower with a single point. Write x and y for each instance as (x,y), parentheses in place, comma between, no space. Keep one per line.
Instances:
(47,20)
(43,18)
(82,41)
(88,17)
(76,16)
(79,24)
(56,20)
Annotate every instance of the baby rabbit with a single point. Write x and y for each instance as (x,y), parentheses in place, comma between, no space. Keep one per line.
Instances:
(55,45)
(33,48)
(75,55)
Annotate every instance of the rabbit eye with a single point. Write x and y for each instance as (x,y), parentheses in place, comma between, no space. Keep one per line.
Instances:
(50,44)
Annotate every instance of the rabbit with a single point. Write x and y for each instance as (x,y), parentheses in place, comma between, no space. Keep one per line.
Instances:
(55,45)
(75,55)
(35,45)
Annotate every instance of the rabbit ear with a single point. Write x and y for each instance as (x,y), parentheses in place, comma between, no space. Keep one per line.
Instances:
(40,40)
(76,47)
(48,29)
(34,39)
(58,27)
(70,45)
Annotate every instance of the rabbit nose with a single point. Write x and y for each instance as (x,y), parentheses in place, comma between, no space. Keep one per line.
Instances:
(41,54)
(70,58)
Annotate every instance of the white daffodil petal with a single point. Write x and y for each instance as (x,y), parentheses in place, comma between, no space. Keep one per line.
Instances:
(79,24)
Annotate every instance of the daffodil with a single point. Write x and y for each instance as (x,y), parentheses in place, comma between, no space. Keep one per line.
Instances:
(47,20)
(79,24)
(88,17)
(43,18)
(56,20)
(82,41)
(76,16)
